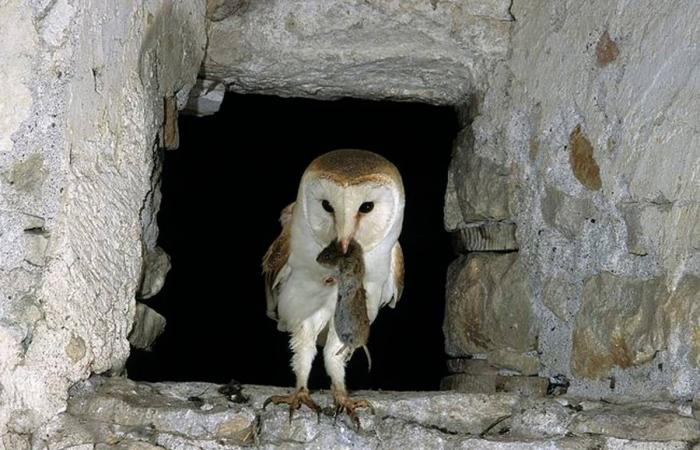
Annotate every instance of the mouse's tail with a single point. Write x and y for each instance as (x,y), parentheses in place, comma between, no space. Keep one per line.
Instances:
(369,358)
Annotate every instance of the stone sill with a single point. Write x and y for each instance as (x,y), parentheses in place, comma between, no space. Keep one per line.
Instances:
(117,413)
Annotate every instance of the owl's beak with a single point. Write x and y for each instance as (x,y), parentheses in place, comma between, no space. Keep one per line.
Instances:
(345,229)
(344,245)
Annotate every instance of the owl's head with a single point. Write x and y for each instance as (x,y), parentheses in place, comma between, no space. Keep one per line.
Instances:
(352,194)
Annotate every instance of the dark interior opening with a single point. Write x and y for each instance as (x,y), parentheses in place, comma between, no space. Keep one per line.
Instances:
(223,191)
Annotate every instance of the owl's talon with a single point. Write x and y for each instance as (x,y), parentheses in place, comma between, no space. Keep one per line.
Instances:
(300,397)
(349,406)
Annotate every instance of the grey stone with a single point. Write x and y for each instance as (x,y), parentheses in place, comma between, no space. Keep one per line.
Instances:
(566,213)
(636,423)
(626,444)
(117,414)
(488,306)
(617,325)
(471,366)
(205,98)
(525,364)
(84,84)
(491,383)
(488,236)
(682,321)
(525,386)
(558,295)
(148,325)
(469,382)
(409,50)
(484,187)
(537,418)
(155,268)
(220,9)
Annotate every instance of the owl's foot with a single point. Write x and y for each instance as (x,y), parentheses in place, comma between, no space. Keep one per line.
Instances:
(300,397)
(343,403)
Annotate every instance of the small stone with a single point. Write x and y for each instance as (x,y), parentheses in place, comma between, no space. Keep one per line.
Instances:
(464,382)
(504,359)
(171,134)
(75,349)
(636,423)
(27,175)
(205,98)
(525,386)
(471,366)
(583,165)
(148,325)
(489,236)
(155,268)
(536,418)
(557,296)
(617,324)
(566,213)
(626,444)
(606,50)
(488,306)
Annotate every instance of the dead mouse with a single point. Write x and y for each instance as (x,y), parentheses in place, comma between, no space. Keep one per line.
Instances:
(351,320)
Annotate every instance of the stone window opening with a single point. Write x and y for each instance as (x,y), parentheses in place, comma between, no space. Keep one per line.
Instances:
(222,192)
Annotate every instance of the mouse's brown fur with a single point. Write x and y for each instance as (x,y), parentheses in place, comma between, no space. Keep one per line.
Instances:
(350,319)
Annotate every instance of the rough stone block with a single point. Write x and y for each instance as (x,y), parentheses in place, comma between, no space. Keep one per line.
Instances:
(470,366)
(409,50)
(484,187)
(637,423)
(618,324)
(148,325)
(504,359)
(486,237)
(488,306)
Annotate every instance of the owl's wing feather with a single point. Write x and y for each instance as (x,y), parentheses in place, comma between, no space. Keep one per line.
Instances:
(274,264)
(396,276)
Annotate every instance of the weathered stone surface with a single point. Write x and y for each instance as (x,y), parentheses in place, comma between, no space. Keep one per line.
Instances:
(637,423)
(626,444)
(526,364)
(583,164)
(469,382)
(566,213)
(617,325)
(483,186)
(682,323)
(155,268)
(488,236)
(205,98)
(83,84)
(471,366)
(409,50)
(580,87)
(558,296)
(491,383)
(488,306)
(148,325)
(117,414)
(606,50)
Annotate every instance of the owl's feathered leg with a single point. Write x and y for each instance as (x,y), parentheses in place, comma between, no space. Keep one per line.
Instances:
(334,359)
(303,344)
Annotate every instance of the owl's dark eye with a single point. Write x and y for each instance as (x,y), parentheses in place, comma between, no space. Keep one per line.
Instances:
(327,206)
(366,207)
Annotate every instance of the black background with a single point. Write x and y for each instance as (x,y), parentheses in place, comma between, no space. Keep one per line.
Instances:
(223,191)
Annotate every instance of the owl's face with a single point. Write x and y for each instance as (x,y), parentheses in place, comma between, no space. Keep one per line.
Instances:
(367,211)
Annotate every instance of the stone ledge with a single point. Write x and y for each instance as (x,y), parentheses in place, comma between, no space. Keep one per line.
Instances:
(116,413)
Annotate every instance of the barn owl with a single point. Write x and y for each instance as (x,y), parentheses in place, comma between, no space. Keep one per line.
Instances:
(343,195)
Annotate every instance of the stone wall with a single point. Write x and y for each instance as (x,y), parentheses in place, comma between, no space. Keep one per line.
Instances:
(80,120)
(586,139)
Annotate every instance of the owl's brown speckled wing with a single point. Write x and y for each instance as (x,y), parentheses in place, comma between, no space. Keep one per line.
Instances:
(274,263)
(397,273)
